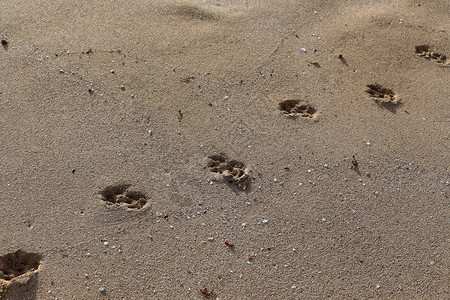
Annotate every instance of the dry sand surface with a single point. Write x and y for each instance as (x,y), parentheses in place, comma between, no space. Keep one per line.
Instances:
(229,149)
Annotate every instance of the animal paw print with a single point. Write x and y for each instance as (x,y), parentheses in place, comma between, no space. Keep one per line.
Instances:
(15,264)
(425,51)
(121,195)
(381,95)
(232,171)
(297,108)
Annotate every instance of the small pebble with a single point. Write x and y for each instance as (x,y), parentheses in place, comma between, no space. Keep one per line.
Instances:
(105,243)
(102,290)
(303,49)
(368,143)
(226,97)
(265,221)
(293,287)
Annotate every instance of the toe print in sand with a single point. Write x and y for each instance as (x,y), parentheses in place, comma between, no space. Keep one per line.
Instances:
(384,97)
(15,265)
(297,108)
(122,195)
(425,51)
(231,171)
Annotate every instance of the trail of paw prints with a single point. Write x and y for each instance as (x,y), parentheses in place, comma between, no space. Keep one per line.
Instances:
(231,171)
(297,108)
(16,270)
(426,52)
(121,195)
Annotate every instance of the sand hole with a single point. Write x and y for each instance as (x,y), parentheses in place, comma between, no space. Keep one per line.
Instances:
(15,264)
(298,108)
(425,51)
(382,96)
(232,171)
(121,195)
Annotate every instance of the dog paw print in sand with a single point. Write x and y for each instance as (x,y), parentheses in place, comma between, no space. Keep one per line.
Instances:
(427,52)
(231,171)
(298,108)
(122,195)
(15,266)
(382,96)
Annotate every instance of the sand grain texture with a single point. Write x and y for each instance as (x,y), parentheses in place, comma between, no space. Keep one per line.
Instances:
(84,84)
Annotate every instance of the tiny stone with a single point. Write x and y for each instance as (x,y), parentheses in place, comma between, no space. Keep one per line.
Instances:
(309,171)
(265,221)
(368,144)
(102,290)
(150,132)
(323,219)
(293,287)
(226,97)
(105,243)
(368,174)
(303,49)
(377,286)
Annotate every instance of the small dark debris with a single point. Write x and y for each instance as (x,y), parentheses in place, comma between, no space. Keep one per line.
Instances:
(229,243)
(5,44)
(207,293)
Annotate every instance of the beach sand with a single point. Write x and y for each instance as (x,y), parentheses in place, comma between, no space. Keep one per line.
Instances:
(341,192)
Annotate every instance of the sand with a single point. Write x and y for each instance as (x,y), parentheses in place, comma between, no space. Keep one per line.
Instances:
(110,112)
